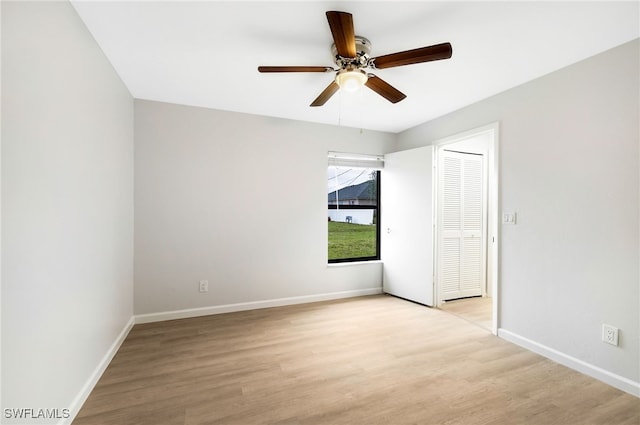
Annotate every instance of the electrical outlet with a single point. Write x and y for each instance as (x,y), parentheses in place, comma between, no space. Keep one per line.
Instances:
(610,334)
(204,286)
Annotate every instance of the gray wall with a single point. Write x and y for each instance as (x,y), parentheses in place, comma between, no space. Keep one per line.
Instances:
(67,205)
(239,200)
(569,161)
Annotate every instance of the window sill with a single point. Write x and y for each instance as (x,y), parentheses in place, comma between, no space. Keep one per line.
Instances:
(353,263)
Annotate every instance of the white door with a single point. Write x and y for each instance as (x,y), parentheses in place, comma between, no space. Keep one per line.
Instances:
(407,224)
(461,211)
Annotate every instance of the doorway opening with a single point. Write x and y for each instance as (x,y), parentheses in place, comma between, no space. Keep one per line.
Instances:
(466,242)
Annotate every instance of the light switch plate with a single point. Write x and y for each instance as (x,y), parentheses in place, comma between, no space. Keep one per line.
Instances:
(509,218)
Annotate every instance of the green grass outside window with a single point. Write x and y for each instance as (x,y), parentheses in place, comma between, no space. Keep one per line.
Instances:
(348,240)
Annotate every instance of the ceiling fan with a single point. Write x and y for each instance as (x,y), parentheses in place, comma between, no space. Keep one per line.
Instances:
(351,56)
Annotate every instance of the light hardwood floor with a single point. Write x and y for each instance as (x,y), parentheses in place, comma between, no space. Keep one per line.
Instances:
(368,360)
(477,310)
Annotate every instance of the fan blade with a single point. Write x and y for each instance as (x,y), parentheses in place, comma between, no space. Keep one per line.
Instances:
(341,24)
(326,94)
(294,69)
(384,89)
(408,57)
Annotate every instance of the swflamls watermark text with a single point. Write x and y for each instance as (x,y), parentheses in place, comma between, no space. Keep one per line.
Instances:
(31,413)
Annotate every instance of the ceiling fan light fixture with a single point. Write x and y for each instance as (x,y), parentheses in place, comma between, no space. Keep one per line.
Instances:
(351,80)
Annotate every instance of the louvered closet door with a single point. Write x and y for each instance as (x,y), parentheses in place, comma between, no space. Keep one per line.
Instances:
(461,255)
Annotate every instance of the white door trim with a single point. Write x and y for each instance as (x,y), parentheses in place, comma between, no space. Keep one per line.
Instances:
(493,237)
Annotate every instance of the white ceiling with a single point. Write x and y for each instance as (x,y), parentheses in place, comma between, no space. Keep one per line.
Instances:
(205,53)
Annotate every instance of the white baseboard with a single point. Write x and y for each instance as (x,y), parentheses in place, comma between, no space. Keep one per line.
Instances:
(253,305)
(617,381)
(82,396)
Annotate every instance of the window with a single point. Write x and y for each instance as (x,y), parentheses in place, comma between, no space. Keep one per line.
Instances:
(353,195)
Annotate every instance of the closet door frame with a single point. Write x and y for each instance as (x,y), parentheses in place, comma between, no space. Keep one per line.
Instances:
(490,134)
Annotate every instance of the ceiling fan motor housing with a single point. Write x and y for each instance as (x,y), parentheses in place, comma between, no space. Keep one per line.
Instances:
(363,49)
